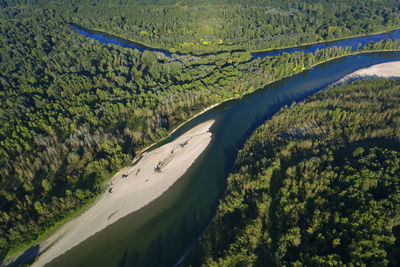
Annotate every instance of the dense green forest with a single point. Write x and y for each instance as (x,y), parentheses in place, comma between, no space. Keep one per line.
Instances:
(210,25)
(204,26)
(317,185)
(73,111)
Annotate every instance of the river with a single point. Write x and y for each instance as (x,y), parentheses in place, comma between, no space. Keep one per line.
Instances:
(355,43)
(160,233)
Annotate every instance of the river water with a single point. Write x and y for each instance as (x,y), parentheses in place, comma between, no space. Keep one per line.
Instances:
(106,38)
(354,43)
(160,233)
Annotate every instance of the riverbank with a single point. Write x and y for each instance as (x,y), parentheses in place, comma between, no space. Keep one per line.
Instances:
(139,152)
(17,253)
(23,254)
(175,128)
(323,41)
(256,51)
(132,188)
(384,70)
(86,207)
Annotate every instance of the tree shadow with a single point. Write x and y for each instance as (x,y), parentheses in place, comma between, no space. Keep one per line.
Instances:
(27,257)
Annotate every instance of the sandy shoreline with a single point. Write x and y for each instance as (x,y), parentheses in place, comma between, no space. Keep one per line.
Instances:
(384,70)
(176,128)
(380,70)
(132,188)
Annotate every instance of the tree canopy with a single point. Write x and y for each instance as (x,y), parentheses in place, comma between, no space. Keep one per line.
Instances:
(73,110)
(213,25)
(317,185)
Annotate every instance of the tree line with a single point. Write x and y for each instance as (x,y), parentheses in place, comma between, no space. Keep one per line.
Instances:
(72,110)
(317,185)
(209,26)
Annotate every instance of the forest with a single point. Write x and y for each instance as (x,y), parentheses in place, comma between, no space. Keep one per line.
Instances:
(208,25)
(73,111)
(317,185)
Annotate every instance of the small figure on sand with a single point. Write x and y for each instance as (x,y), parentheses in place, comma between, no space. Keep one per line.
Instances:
(146,180)
(184,143)
(137,171)
(158,168)
(110,190)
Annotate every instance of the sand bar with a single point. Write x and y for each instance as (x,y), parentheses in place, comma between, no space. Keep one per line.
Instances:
(384,70)
(132,188)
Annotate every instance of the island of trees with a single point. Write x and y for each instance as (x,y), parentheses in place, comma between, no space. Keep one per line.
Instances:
(207,26)
(317,185)
(73,110)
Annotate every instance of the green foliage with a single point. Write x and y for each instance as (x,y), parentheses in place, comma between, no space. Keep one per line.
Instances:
(205,26)
(318,185)
(73,110)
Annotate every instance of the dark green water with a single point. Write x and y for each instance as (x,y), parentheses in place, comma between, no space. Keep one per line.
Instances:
(161,233)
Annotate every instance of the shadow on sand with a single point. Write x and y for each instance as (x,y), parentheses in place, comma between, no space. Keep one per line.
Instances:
(27,257)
